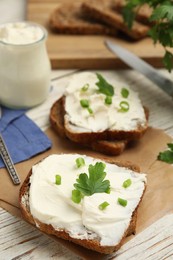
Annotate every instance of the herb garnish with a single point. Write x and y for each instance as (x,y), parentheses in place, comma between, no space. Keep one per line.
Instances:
(104,86)
(127,183)
(85,104)
(103,205)
(85,87)
(108,100)
(58,179)
(80,162)
(124,92)
(161,30)
(94,183)
(124,106)
(167,156)
(122,202)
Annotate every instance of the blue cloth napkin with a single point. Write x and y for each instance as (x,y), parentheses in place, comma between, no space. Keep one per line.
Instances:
(22,136)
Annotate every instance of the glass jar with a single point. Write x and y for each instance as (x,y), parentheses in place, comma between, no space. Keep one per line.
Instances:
(24,69)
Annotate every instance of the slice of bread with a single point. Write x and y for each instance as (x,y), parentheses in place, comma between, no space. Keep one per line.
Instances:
(104,11)
(68,18)
(114,147)
(93,243)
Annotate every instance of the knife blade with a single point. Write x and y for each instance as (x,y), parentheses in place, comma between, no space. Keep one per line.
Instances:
(141,66)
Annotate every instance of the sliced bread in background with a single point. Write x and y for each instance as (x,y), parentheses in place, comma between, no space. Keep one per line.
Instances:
(105,11)
(68,18)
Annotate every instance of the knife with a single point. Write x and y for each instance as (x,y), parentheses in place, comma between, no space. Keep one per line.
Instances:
(141,66)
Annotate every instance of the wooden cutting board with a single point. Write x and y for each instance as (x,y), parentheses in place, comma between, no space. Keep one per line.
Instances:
(86,52)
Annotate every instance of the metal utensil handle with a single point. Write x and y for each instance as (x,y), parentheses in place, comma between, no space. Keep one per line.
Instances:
(8,162)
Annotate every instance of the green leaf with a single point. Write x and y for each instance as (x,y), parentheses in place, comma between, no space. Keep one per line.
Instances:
(94,183)
(103,205)
(168,60)
(167,156)
(104,86)
(170,146)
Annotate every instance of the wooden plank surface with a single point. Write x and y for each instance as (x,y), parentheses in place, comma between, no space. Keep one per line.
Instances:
(86,52)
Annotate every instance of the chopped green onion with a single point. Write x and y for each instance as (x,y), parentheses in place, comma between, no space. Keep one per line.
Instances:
(103,205)
(76,196)
(127,183)
(124,106)
(90,110)
(80,162)
(122,202)
(84,103)
(124,92)
(85,87)
(58,179)
(108,100)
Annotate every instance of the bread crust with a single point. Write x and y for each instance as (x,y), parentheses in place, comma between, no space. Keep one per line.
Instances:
(92,244)
(113,147)
(104,11)
(68,18)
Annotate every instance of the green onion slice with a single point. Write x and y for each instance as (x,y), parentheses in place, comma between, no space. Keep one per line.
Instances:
(85,87)
(124,92)
(108,100)
(76,196)
(103,205)
(127,183)
(122,202)
(124,106)
(80,162)
(84,103)
(58,179)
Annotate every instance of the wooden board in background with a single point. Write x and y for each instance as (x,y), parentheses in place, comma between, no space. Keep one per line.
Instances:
(86,52)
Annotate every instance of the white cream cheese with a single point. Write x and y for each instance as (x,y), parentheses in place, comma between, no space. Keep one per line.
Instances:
(20,33)
(52,204)
(104,116)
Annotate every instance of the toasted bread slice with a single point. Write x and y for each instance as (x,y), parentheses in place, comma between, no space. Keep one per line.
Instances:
(69,19)
(75,134)
(114,147)
(104,11)
(92,243)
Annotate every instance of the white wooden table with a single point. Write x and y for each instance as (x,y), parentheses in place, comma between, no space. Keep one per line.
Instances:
(18,240)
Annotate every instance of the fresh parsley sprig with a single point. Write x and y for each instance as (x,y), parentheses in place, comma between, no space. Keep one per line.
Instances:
(104,86)
(167,156)
(161,30)
(95,182)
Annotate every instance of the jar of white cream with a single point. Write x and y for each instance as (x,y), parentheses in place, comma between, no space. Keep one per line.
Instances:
(24,65)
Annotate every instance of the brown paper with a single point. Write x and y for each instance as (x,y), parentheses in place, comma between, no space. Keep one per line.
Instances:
(158,197)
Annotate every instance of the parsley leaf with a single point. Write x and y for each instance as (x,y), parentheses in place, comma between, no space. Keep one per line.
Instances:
(94,183)
(162,18)
(167,156)
(104,86)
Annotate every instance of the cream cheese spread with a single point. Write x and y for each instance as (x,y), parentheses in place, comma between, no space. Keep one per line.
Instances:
(20,33)
(104,116)
(52,204)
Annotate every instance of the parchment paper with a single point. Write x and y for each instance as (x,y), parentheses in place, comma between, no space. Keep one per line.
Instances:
(158,198)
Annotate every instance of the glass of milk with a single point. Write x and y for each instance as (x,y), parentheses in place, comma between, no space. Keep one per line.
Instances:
(24,65)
